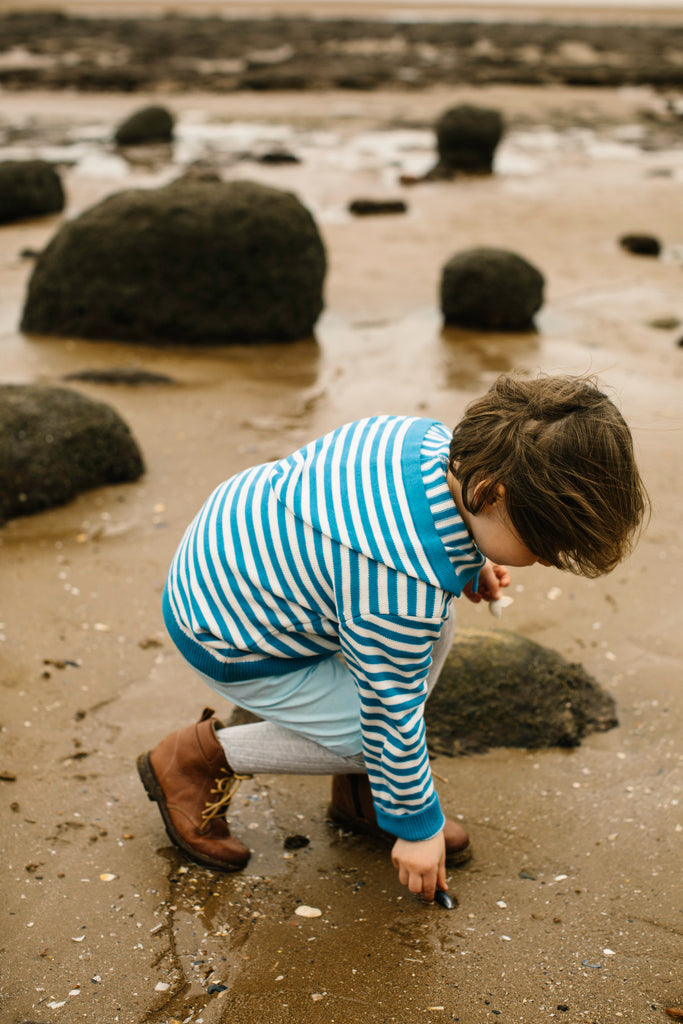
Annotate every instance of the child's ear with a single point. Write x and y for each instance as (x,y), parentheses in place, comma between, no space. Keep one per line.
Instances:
(495,495)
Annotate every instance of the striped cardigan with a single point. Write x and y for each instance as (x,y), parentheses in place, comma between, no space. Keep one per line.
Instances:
(353,544)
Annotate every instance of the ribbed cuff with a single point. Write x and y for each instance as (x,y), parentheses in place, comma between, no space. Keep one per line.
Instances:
(424,824)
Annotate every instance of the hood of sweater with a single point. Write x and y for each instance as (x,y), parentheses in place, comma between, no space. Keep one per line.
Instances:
(362,486)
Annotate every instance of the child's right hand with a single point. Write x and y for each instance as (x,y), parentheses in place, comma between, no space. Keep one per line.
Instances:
(421,865)
(491,578)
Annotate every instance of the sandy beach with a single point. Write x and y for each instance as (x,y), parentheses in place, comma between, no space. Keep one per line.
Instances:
(571,907)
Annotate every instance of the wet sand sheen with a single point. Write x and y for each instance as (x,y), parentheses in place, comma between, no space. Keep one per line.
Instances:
(577,855)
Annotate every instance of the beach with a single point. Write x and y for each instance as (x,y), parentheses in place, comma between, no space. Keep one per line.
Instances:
(571,906)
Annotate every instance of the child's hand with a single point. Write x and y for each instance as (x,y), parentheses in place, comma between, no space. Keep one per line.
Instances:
(421,865)
(491,578)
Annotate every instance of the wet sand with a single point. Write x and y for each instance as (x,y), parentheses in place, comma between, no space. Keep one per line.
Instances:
(571,907)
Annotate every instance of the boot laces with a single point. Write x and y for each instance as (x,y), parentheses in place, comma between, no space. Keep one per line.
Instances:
(225,788)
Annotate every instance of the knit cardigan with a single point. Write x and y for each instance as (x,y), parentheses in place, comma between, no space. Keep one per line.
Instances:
(353,544)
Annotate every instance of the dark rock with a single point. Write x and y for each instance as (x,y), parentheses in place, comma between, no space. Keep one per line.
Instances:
(194,262)
(277,156)
(365,207)
(56,443)
(129,375)
(150,124)
(296,842)
(491,289)
(498,689)
(466,138)
(641,245)
(29,188)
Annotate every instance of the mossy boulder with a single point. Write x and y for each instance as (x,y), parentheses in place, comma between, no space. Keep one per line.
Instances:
(467,137)
(149,124)
(490,289)
(29,188)
(499,689)
(56,443)
(194,262)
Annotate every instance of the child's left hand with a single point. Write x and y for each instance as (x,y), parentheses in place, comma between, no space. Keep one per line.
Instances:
(492,578)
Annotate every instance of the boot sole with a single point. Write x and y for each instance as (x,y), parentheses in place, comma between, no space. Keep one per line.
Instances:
(453,859)
(156,795)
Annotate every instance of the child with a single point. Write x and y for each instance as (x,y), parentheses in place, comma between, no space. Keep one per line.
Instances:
(355,545)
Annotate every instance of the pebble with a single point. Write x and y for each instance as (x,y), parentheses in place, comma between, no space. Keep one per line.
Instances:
(304,911)
(443,899)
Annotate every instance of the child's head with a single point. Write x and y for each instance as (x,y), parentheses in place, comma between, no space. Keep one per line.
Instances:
(561,454)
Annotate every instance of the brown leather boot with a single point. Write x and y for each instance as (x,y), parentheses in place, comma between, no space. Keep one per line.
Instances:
(352,807)
(188,775)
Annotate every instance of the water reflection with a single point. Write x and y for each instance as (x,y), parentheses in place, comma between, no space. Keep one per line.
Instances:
(471,359)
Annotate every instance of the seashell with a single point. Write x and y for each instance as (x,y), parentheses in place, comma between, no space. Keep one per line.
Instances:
(304,911)
(496,607)
(442,897)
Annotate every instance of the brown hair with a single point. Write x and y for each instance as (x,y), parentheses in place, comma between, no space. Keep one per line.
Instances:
(564,454)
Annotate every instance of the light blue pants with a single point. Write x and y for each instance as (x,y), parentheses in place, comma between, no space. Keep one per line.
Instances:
(312,718)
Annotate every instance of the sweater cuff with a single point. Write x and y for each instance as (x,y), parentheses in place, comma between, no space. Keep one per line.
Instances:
(424,824)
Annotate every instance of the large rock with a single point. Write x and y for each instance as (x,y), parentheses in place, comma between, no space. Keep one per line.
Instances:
(150,124)
(29,188)
(490,289)
(194,262)
(466,139)
(498,689)
(56,443)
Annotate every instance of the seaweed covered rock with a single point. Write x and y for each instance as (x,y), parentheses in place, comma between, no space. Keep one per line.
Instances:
(490,289)
(467,137)
(498,689)
(29,188)
(194,262)
(150,124)
(56,443)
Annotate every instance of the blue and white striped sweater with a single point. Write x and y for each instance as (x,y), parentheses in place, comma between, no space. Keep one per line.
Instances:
(351,544)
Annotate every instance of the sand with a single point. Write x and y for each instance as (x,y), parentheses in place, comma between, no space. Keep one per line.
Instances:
(571,906)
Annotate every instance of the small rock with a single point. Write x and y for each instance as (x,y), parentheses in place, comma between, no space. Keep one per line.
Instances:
(296,842)
(29,188)
(490,289)
(277,156)
(467,137)
(499,689)
(365,207)
(149,124)
(641,245)
(56,443)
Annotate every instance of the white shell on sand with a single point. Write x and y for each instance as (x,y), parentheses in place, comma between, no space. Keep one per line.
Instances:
(496,607)
(304,911)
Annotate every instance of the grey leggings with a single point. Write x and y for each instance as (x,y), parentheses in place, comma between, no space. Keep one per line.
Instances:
(275,749)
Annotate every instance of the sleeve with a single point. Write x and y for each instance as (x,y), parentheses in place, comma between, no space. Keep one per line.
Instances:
(389,658)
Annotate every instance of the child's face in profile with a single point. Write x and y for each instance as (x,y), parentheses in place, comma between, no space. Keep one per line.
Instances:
(492,531)
(496,537)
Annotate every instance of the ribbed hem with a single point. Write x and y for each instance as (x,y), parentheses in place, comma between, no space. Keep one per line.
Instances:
(424,824)
(202,658)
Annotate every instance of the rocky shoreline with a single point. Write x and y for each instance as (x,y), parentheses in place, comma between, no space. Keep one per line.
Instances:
(51,50)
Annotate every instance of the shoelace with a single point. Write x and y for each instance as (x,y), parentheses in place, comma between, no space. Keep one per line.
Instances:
(226,787)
